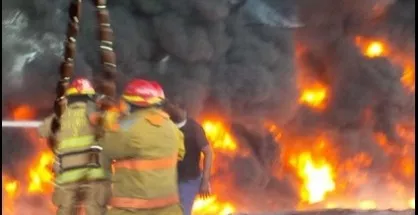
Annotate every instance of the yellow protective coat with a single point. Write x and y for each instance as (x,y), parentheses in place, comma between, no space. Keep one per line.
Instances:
(146,134)
(76,133)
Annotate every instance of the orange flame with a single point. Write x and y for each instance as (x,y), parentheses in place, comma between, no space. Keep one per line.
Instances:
(221,142)
(218,136)
(375,48)
(315,166)
(371,48)
(408,77)
(23,112)
(314,97)
(41,174)
(317,178)
(326,180)
(367,205)
(10,186)
(211,206)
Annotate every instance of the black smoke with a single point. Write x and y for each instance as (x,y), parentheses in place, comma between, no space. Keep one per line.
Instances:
(231,58)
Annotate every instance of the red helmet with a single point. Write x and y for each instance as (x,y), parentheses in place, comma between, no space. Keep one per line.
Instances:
(80,86)
(143,93)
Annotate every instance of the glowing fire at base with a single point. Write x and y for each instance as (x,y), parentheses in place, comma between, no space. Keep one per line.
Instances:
(367,205)
(317,178)
(41,174)
(315,168)
(10,187)
(39,178)
(212,206)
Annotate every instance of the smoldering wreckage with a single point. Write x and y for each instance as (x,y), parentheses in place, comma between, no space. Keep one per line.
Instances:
(308,104)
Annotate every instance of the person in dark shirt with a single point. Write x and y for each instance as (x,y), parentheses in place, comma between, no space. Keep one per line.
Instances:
(192,180)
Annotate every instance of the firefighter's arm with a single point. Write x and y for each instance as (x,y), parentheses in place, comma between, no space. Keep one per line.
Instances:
(180,142)
(117,145)
(44,129)
(93,113)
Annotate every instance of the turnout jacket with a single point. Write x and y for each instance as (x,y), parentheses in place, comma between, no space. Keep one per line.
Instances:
(144,150)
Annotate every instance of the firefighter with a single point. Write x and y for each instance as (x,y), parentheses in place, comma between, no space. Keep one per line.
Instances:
(79,175)
(145,151)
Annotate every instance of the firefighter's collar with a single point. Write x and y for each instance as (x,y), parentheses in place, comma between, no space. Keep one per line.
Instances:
(181,124)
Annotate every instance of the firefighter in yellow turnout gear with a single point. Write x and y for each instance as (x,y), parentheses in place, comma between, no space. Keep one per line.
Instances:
(145,151)
(79,175)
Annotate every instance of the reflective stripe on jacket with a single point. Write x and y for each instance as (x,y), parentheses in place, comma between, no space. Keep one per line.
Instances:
(145,151)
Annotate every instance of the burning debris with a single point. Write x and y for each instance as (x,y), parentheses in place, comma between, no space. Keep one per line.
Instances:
(319,115)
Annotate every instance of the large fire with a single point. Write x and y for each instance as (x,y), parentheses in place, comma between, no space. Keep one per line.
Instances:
(321,177)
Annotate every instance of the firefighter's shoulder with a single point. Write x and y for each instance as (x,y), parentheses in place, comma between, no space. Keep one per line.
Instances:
(156,117)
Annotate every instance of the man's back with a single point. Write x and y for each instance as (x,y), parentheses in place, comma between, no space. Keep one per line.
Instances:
(194,141)
(192,180)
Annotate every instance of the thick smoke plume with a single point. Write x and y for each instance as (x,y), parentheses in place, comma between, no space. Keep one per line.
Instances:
(240,60)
